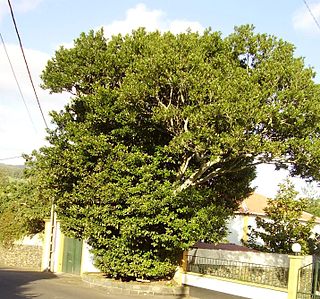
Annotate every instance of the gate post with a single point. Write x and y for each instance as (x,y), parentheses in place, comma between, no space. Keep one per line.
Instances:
(185,261)
(295,265)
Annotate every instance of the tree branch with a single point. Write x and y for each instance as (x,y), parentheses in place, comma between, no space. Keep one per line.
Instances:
(184,166)
(186,124)
(191,181)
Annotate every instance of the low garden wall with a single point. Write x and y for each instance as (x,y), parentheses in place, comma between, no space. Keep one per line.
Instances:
(270,270)
(25,254)
(261,258)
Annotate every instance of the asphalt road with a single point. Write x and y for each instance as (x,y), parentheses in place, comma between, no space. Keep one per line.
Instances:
(20,284)
(206,294)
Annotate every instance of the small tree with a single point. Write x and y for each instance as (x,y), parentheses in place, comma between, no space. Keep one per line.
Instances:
(313,199)
(281,226)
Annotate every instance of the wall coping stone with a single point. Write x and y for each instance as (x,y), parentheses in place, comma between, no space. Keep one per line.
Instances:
(134,288)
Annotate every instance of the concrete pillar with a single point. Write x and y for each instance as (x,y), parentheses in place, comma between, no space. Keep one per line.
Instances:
(46,246)
(295,265)
(245,228)
(184,261)
(182,269)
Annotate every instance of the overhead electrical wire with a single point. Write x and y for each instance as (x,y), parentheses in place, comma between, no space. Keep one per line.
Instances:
(17,82)
(10,158)
(311,13)
(26,63)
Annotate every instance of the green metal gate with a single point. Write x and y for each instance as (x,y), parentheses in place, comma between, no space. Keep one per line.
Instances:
(309,281)
(72,252)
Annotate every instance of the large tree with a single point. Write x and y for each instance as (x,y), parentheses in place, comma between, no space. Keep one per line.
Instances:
(283,225)
(161,137)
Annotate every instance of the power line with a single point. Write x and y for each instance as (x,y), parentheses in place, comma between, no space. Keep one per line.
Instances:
(26,63)
(311,13)
(17,82)
(10,158)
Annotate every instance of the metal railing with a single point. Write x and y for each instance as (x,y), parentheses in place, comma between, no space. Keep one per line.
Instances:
(308,283)
(242,271)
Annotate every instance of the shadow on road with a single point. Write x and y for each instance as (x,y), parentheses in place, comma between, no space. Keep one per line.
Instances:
(14,284)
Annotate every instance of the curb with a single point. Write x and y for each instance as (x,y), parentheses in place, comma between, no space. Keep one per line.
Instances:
(134,288)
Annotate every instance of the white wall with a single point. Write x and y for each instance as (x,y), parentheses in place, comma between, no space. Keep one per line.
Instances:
(235,228)
(261,258)
(36,240)
(58,239)
(87,264)
(238,227)
(232,288)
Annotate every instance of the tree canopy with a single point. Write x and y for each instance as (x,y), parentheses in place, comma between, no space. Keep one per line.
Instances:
(283,225)
(162,134)
(22,211)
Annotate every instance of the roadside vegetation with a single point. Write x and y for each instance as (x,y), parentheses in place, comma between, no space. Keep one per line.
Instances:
(283,226)
(22,211)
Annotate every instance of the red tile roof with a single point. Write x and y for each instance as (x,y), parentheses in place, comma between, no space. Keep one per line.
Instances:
(222,246)
(255,204)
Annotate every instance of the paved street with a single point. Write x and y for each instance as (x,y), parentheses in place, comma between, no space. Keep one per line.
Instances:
(206,294)
(20,284)
(16,284)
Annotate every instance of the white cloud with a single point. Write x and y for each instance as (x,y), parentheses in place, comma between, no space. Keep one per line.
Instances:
(22,6)
(141,16)
(302,19)
(151,20)
(19,134)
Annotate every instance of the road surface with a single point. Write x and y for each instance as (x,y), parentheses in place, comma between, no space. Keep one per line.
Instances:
(206,294)
(18,284)
(21,284)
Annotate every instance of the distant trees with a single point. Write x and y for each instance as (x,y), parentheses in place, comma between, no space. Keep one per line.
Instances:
(282,225)
(21,212)
(313,200)
(313,206)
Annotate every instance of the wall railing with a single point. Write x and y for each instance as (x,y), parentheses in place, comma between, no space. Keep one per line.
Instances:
(242,271)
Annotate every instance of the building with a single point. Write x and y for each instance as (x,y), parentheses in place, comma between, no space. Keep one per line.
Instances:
(244,218)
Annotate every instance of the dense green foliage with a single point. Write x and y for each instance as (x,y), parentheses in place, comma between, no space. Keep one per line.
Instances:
(159,142)
(313,206)
(21,211)
(312,196)
(282,225)
(12,171)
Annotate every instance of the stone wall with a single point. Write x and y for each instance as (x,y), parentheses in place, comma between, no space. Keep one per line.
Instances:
(21,256)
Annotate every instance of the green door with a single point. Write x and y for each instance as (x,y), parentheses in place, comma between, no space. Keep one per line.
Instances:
(72,252)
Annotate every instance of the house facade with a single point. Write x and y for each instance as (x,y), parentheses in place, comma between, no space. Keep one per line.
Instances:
(244,218)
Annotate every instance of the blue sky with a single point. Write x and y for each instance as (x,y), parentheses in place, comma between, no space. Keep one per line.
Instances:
(46,24)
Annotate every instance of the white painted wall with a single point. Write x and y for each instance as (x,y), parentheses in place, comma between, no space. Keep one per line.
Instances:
(36,240)
(58,237)
(261,258)
(46,247)
(235,228)
(232,288)
(87,264)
